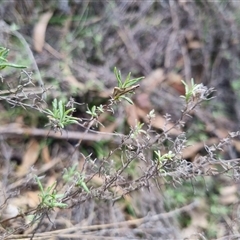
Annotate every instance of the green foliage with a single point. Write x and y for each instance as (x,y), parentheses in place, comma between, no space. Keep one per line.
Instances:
(81,182)
(60,116)
(69,173)
(138,130)
(4,62)
(162,160)
(94,111)
(101,147)
(124,87)
(49,197)
(151,114)
(125,171)
(167,156)
(72,174)
(190,90)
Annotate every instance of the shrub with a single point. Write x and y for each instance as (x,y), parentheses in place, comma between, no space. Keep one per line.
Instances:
(146,157)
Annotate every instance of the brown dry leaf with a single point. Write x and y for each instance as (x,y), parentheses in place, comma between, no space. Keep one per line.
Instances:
(105,93)
(45,154)
(40,30)
(236,144)
(132,116)
(149,83)
(32,198)
(107,128)
(158,122)
(220,132)
(28,199)
(182,2)
(173,77)
(50,181)
(142,100)
(199,219)
(20,204)
(29,158)
(175,81)
(194,44)
(10,210)
(192,150)
(97,181)
(228,195)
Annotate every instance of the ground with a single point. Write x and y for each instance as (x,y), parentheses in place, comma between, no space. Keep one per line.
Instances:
(174,177)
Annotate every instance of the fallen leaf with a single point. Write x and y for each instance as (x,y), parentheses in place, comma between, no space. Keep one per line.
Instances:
(9,211)
(236,144)
(32,198)
(174,80)
(132,116)
(50,181)
(45,154)
(192,150)
(105,127)
(30,157)
(29,199)
(149,83)
(142,100)
(228,195)
(194,44)
(39,31)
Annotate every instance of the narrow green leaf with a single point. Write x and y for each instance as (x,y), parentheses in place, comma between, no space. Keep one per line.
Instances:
(49,111)
(39,183)
(94,108)
(3,65)
(54,103)
(3,60)
(60,205)
(127,99)
(4,52)
(69,111)
(61,108)
(127,80)
(133,81)
(118,76)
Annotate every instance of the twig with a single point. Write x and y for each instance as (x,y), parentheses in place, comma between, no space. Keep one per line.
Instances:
(135,222)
